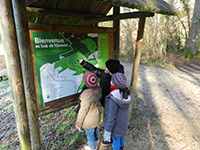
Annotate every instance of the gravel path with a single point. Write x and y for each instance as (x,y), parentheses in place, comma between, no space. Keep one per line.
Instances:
(165,112)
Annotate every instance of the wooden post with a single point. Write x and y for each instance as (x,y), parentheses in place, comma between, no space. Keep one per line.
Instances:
(14,73)
(136,61)
(116,25)
(22,30)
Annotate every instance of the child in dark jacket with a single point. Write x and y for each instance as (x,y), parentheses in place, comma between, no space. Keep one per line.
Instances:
(89,113)
(111,66)
(116,112)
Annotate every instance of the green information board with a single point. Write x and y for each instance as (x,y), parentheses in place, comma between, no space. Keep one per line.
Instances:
(59,73)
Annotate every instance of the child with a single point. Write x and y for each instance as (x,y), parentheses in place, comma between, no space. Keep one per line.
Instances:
(89,113)
(116,112)
(112,66)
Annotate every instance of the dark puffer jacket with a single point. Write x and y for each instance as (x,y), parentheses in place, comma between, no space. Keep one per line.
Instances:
(105,78)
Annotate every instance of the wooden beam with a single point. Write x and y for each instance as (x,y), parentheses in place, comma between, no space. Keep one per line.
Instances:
(58,107)
(9,39)
(120,16)
(116,25)
(136,61)
(65,28)
(63,13)
(22,30)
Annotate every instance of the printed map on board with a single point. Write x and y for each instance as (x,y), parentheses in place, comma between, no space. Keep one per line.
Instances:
(59,73)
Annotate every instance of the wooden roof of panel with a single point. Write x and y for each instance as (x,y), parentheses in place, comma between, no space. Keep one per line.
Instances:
(154,6)
(74,12)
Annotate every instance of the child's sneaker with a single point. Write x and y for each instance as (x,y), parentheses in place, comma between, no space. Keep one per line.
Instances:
(106,142)
(88,148)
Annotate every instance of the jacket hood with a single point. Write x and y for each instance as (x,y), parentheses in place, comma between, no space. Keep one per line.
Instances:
(93,93)
(122,102)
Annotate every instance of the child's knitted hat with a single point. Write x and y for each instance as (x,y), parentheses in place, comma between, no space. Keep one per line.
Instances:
(119,80)
(113,65)
(90,80)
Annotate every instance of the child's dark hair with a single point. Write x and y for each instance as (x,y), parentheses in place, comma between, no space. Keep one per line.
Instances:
(125,92)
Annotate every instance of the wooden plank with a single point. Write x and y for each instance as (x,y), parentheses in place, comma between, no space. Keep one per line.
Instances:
(69,29)
(14,71)
(67,99)
(63,13)
(22,30)
(57,107)
(119,17)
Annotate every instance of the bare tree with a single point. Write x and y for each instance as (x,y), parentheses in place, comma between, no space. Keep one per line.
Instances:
(193,42)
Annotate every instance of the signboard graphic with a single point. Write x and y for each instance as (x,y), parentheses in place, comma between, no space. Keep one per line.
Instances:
(59,73)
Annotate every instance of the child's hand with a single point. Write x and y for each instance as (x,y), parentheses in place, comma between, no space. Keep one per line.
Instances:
(79,128)
(79,60)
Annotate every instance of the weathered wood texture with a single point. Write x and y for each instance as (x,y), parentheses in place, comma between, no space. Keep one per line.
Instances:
(70,29)
(116,25)
(58,107)
(22,30)
(136,60)
(118,16)
(66,12)
(14,72)
(54,12)
(154,6)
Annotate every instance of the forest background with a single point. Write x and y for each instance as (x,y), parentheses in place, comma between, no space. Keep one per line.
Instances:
(163,34)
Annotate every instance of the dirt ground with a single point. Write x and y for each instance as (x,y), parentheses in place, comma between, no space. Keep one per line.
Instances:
(166,116)
(165,111)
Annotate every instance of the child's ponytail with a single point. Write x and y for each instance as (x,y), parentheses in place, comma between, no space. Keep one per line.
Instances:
(125,92)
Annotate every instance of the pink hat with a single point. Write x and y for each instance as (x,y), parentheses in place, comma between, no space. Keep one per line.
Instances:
(90,80)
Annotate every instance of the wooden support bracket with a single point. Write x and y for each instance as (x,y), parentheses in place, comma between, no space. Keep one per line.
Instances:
(120,16)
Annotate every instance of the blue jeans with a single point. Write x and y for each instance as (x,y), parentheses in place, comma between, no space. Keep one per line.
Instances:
(92,136)
(118,142)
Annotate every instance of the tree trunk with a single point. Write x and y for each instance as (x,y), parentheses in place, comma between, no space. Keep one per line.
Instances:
(193,43)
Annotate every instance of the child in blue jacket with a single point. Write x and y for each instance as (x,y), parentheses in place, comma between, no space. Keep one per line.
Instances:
(116,112)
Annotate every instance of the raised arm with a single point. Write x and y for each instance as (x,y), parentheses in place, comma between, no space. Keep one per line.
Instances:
(91,68)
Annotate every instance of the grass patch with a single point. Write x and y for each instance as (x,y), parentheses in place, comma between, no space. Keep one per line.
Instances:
(58,131)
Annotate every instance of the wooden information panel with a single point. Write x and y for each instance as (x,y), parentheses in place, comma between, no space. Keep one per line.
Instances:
(55,49)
